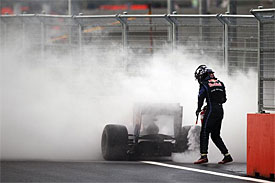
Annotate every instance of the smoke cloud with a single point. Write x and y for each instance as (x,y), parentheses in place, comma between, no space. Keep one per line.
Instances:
(56,109)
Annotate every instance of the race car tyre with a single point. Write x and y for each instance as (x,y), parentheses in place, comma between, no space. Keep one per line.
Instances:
(114,142)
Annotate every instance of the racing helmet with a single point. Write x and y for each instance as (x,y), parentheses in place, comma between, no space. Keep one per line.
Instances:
(202,72)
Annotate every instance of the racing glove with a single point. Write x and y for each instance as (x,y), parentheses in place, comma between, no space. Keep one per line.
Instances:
(198,112)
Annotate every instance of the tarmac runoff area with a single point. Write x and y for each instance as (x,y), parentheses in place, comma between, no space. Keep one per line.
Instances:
(122,171)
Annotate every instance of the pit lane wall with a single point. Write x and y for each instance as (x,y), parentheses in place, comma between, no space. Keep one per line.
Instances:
(261,145)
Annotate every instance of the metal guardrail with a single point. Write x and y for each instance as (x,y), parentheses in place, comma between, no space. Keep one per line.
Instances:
(238,42)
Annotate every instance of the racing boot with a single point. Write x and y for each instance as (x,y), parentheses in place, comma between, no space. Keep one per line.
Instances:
(227,159)
(203,159)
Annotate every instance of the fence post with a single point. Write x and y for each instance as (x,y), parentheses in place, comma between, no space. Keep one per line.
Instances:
(79,35)
(124,38)
(23,33)
(170,8)
(260,69)
(173,36)
(5,36)
(175,31)
(125,33)
(80,38)
(123,22)
(42,37)
(226,46)
(70,36)
(260,66)
(225,41)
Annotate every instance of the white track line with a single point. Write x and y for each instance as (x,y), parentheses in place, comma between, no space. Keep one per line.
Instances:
(205,171)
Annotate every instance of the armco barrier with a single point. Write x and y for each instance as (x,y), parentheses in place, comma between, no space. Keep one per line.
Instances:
(261,145)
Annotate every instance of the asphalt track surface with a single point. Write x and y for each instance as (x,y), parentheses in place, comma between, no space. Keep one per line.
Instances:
(122,171)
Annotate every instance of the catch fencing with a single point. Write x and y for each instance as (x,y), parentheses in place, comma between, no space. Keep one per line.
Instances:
(266,58)
(237,42)
(141,35)
(240,42)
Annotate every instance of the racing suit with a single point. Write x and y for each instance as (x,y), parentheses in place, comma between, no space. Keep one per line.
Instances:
(213,91)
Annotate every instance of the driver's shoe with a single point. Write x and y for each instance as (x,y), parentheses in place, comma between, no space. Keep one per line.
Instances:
(203,159)
(227,159)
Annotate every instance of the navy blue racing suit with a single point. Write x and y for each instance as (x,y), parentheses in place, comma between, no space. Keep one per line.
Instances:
(214,92)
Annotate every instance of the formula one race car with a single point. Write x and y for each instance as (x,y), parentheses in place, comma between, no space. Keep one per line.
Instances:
(158,132)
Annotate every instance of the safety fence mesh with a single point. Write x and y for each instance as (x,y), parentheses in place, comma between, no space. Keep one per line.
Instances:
(266,58)
(241,42)
(201,35)
(237,42)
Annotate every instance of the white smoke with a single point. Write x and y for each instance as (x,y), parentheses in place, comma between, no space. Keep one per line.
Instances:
(193,150)
(56,109)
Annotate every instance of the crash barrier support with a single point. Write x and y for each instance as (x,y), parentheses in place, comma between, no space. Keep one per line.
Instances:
(266,58)
(261,145)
